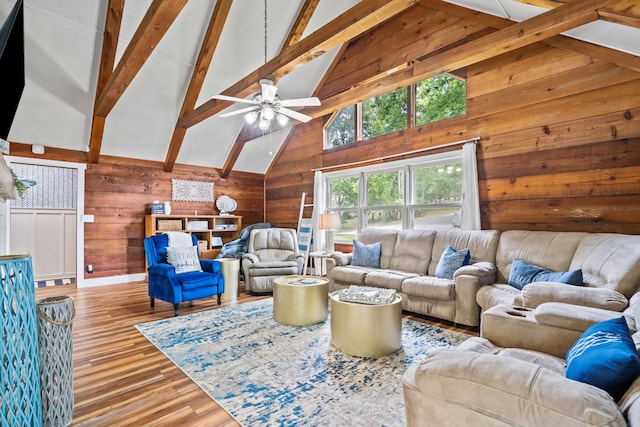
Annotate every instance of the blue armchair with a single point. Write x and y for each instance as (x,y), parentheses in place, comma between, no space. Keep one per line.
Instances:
(164,283)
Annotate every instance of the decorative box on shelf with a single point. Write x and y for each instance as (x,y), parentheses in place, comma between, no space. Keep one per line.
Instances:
(157,208)
(169,225)
(197,225)
(202,245)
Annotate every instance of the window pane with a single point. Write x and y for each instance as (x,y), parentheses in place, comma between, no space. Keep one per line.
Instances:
(437,184)
(385,189)
(342,129)
(344,192)
(384,218)
(439,98)
(436,218)
(384,113)
(348,227)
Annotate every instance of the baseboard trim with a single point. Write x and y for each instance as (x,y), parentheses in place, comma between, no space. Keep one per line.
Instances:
(112,280)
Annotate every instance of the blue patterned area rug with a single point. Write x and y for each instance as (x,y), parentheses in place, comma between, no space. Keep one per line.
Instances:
(267,374)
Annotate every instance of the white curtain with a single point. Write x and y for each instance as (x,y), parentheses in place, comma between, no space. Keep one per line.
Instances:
(319,207)
(470,197)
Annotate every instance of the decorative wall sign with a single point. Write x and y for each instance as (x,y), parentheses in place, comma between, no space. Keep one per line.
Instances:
(191,191)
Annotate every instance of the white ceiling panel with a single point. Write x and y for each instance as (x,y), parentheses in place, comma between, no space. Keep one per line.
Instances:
(492,7)
(608,34)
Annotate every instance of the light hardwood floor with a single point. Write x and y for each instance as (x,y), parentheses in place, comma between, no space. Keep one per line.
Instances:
(120,378)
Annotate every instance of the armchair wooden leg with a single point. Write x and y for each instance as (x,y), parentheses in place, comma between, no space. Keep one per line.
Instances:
(152,302)
(175,309)
(219,301)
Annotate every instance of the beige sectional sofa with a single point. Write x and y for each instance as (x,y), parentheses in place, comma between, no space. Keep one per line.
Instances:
(610,264)
(408,260)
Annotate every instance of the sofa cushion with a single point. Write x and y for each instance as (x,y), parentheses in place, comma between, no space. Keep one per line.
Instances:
(430,287)
(605,356)
(391,279)
(482,245)
(274,268)
(195,279)
(523,273)
(184,258)
(366,255)
(387,239)
(610,261)
(352,275)
(450,261)
(412,252)
(548,249)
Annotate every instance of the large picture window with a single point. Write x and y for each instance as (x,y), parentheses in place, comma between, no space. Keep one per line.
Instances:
(423,193)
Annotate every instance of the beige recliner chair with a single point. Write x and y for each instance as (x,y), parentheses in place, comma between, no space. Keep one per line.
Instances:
(271,253)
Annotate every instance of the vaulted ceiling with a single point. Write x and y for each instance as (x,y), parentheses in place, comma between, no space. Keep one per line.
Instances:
(135,79)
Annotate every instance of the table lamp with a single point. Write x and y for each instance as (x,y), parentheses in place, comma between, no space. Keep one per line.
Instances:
(329,222)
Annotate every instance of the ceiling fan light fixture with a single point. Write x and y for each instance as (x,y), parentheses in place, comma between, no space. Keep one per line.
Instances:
(282,119)
(251,117)
(264,124)
(268,113)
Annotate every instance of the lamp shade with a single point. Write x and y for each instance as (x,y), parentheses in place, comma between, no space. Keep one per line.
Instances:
(329,221)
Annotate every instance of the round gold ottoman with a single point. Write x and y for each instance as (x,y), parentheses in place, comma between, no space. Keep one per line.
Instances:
(366,330)
(300,300)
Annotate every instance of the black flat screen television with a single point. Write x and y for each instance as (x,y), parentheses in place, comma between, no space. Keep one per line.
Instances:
(11,67)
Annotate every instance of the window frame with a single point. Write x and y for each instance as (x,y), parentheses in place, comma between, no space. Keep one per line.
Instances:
(408,207)
(411,102)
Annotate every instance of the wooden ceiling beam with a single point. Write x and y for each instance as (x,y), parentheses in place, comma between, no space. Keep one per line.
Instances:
(302,20)
(208,48)
(154,25)
(619,18)
(355,21)
(113,21)
(515,36)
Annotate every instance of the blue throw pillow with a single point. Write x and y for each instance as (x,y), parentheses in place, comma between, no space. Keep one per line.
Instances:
(522,274)
(366,255)
(605,357)
(450,261)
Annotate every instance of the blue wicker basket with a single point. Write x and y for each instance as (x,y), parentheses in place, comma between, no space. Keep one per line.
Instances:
(20,380)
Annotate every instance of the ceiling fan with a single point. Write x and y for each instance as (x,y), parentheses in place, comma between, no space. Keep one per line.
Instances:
(267,106)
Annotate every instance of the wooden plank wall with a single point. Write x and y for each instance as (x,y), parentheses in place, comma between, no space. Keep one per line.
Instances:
(118,192)
(560,132)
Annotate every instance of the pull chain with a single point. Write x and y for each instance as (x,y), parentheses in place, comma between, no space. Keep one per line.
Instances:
(265,31)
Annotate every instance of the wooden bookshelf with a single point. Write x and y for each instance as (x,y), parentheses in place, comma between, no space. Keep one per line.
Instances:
(205,227)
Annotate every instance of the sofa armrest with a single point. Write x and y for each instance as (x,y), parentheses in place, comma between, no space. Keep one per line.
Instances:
(250,258)
(457,387)
(538,293)
(484,271)
(339,258)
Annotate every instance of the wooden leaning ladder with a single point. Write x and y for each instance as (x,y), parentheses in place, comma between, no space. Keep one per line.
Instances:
(305,230)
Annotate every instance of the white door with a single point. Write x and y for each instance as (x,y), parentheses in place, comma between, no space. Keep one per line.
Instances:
(43,223)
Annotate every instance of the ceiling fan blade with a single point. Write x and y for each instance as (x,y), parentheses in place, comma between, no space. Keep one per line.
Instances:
(300,102)
(294,114)
(269,92)
(240,111)
(233,99)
